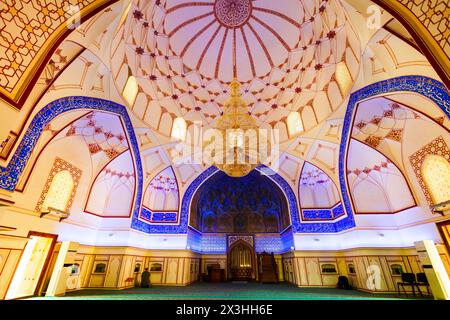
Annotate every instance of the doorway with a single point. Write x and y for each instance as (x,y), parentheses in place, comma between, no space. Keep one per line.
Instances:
(444,229)
(35,257)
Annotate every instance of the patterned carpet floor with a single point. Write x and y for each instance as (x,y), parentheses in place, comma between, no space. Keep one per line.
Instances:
(229,291)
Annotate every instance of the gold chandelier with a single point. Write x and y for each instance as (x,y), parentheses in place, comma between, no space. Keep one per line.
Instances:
(242,144)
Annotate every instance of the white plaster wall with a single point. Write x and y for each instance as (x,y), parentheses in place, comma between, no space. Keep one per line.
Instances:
(368,238)
(26,221)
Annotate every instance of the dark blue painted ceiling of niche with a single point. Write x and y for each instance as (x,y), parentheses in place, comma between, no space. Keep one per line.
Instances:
(251,204)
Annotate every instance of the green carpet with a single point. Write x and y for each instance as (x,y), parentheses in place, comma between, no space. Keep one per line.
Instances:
(229,291)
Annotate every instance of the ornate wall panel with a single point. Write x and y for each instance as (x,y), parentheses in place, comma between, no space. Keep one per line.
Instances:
(429,23)
(58,166)
(30,31)
(323,214)
(214,244)
(268,244)
(436,173)
(435,147)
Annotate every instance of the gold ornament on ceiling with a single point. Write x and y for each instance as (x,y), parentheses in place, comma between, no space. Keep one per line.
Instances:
(239,144)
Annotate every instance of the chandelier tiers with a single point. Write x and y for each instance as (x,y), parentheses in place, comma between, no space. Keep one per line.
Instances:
(244,145)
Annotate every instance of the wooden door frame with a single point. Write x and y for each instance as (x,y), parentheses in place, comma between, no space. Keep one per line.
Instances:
(43,272)
(440,226)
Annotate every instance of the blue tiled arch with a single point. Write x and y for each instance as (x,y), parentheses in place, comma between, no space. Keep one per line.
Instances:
(9,175)
(296,224)
(429,88)
(275,177)
(182,227)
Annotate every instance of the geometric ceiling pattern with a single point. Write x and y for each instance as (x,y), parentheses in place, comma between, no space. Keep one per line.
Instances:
(250,37)
(429,23)
(29,32)
(102,132)
(387,123)
(302,56)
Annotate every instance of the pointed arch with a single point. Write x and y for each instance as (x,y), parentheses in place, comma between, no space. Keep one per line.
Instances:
(376,184)
(10,174)
(112,192)
(160,202)
(425,86)
(60,188)
(318,195)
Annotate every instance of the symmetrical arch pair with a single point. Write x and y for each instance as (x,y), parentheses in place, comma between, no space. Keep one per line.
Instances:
(9,175)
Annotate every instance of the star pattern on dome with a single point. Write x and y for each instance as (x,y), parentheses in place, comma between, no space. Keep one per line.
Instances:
(185,53)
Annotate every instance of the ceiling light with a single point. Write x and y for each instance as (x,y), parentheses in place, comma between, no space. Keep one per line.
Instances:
(240,145)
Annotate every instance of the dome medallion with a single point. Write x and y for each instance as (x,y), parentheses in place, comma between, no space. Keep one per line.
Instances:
(297,61)
(232,13)
(223,39)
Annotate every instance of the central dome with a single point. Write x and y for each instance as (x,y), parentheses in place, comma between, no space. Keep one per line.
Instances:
(224,39)
(289,56)
(232,13)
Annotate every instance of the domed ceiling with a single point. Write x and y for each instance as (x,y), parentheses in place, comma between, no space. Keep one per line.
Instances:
(224,38)
(290,56)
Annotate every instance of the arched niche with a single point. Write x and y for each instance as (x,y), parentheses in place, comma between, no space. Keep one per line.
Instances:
(426,87)
(9,175)
(316,188)
(160,203)
(318,195)
(436,174)
(250,204)
(376,185)
(113,190)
